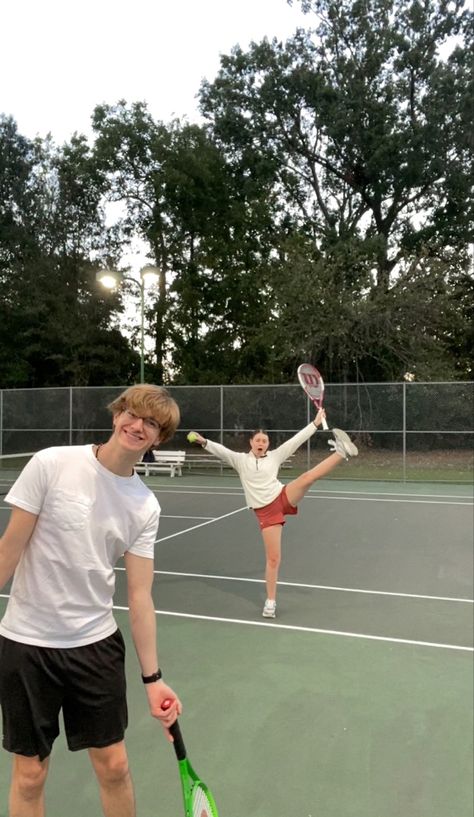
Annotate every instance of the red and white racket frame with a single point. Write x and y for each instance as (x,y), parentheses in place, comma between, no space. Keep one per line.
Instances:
(313,384)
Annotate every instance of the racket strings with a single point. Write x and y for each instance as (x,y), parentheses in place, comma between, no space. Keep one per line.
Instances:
(316,392)
(202,806)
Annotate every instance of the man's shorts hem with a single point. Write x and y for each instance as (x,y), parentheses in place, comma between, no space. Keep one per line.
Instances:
(95,744)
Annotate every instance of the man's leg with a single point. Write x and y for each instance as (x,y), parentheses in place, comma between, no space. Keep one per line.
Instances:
(115,784)
(27,786)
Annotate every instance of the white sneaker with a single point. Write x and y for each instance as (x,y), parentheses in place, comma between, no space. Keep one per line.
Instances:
(343,444)
(269,610)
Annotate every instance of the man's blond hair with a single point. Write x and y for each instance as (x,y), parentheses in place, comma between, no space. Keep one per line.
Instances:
(147,400)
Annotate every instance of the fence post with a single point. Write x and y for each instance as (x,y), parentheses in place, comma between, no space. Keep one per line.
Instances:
(221,390)
(404,431)
(70,415)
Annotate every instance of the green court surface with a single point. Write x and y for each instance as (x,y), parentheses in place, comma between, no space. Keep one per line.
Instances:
(355,702)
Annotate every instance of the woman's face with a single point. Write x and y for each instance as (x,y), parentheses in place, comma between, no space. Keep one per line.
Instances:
(259,444)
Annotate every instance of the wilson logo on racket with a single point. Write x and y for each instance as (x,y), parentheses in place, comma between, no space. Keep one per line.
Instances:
(310,379)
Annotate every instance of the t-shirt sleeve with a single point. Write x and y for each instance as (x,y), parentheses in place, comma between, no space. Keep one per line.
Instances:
(144,544)
(29,490)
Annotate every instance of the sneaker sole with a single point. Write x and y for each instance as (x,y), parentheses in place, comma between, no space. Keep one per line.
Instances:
(344,438)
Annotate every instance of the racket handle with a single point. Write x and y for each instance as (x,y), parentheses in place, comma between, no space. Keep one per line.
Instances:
(175,732)
(324,424)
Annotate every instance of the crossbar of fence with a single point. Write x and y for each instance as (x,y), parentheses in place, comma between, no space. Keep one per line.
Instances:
(406,419)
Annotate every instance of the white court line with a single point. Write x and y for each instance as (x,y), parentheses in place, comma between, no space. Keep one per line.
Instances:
(171,516)
(360,590)
(211,489)
(294,628)
(316,586)
(411,499)
(209,492)
(390,493)
(201,525)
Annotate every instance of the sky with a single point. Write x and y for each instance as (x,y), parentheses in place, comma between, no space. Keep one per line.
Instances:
(59,58)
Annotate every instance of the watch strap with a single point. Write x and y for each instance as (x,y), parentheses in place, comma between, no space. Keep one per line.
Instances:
(150,679)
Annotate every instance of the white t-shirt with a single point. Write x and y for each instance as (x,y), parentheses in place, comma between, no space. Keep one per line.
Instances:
(88,518)
(258,475)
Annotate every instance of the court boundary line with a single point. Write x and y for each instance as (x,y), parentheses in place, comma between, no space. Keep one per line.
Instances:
(314,491)
(313,586)
(402,498)
(209,521)
(360,590)
(175,516)
(296,628)
(201,525)
(414,501)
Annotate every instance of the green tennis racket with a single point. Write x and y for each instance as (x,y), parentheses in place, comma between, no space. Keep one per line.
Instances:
(198,800)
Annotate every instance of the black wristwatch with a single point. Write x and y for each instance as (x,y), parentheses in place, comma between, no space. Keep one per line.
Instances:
(150,679)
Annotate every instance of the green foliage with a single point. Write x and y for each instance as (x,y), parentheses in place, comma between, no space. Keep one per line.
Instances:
(360,127)
(53,328)
(323,212)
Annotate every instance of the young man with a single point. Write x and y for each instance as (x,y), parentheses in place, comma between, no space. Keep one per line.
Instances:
(76,511)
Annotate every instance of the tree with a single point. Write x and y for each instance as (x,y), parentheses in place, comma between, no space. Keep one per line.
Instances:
(54,330)
(203,225)
(362,127)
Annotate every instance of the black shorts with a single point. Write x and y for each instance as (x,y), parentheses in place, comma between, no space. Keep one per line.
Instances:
(86,683)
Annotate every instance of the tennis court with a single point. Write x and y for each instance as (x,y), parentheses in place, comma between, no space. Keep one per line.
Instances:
(355,702)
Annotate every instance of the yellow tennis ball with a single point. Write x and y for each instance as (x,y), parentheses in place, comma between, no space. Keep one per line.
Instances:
(192,437)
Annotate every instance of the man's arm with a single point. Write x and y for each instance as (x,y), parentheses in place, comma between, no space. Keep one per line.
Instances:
(13,542)
(143,628)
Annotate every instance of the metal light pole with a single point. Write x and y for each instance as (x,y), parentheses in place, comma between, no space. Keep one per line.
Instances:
(111,279)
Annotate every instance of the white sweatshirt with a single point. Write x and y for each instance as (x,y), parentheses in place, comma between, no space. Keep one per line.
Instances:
(259,475)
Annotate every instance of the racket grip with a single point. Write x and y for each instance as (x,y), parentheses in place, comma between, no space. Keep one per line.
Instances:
(175,732)
(324,424)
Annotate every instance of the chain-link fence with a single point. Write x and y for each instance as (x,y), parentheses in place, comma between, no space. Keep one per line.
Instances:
(409,431)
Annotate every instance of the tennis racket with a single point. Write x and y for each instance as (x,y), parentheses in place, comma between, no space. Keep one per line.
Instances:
(313,384)
(198,800)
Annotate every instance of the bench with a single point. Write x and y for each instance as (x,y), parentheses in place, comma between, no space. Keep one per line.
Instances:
(165,462)
(197,459)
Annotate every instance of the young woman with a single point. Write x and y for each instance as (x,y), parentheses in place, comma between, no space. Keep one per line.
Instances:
(267,496)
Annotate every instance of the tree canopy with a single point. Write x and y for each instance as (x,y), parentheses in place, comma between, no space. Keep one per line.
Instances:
(321,211)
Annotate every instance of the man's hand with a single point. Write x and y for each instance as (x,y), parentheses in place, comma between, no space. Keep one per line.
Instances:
(157,693)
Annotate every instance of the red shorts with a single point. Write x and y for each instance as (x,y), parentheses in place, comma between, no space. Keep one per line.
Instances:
(275,512)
